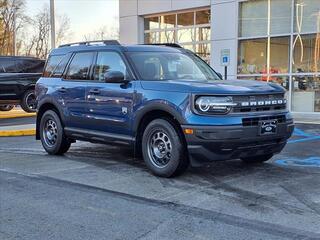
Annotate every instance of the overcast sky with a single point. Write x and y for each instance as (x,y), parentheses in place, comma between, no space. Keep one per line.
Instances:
(86,16)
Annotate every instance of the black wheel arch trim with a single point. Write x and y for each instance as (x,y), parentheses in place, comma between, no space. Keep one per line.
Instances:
(157,107)
(42,103)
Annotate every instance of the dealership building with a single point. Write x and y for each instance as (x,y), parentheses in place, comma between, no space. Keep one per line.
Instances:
(267,40)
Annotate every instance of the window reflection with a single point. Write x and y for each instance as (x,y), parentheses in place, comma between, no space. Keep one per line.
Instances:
(186,19)
(307,16)
(306,93)
(252,56)
(168,21)
(253,18)
(190,29)
(279,55)
(306,53)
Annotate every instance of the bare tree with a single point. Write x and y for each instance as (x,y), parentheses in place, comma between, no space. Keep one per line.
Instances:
(37,43)
(12,19)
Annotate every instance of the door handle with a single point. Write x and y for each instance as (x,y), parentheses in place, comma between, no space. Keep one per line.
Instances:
(62,89)
(94,91)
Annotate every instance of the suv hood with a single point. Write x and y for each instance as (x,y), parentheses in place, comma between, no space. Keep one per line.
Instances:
(213,87)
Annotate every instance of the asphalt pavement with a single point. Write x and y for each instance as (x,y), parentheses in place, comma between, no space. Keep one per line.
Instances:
(100,192)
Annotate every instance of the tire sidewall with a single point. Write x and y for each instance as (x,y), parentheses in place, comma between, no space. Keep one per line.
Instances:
(177,147)
(24,104)
(53,116)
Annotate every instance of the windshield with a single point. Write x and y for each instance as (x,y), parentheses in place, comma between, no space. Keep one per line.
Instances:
(171,66)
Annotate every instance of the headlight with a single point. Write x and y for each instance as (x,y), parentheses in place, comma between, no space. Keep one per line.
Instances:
(214,105)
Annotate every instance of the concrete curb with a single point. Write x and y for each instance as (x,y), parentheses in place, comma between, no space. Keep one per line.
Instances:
(16,133)
(16,114)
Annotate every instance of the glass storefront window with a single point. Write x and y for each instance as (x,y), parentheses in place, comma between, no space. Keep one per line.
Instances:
(167,37)
(203,17)
(203,34)
(186,35)
(203,50)
(151,37)
(186,19)
(279,55)
(167,21)
(306,93)
(280,16)
(253,18)
(307,16)
(252,56)
(190,29)
(151,23)
(306,53)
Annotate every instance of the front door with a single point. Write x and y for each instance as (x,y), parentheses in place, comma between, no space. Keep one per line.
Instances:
(110,104)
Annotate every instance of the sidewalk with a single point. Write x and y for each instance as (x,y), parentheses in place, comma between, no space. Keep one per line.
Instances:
(17,123)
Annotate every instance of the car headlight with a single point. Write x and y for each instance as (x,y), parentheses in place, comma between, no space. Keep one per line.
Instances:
(214,105)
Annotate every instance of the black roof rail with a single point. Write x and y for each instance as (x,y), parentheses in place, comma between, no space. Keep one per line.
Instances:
(174,45)
(87,43)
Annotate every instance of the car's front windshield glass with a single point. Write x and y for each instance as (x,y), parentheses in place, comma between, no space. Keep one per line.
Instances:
(171,66)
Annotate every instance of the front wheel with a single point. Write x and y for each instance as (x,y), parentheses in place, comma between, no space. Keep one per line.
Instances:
(28,102)
(163,149)
(257,159)
(52,134)
(6,108)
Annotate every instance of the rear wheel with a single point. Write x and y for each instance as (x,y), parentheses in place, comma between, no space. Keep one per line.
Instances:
(52,134)
(6,108)
(28,102)
(163,149)
(257,159)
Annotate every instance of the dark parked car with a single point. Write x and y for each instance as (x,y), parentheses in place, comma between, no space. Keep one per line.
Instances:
(165,102)
(18,76)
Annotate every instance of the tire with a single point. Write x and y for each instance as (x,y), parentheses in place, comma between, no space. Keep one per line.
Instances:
(257,159)
(6,108)
(28,101)
(52,135)
(163,149)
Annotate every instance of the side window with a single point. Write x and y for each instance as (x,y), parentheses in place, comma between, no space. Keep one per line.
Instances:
(52,63)
(58,71)
(108,61)
(30,65)
(80,66)
(7,65)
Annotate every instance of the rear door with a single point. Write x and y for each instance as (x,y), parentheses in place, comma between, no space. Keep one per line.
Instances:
(8,79)
(110,104)
(72,88)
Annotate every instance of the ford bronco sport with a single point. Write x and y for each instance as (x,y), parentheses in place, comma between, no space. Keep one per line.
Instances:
(164,101)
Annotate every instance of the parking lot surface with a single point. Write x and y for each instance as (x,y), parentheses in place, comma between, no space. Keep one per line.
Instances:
(101,192)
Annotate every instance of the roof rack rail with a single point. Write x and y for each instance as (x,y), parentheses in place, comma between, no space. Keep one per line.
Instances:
(87,43)
(174,45)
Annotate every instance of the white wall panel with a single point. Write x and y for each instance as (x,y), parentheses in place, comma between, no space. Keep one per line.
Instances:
(128,8)
(131,31)
(184,4)
(153,6)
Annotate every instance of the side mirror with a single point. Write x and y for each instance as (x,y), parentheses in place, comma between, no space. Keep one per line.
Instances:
(114,77)
(219,75)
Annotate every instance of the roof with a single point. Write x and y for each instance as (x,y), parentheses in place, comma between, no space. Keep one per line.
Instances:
(114,45)
(21,57)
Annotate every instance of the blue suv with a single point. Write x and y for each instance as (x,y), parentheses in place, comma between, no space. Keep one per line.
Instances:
(164,101)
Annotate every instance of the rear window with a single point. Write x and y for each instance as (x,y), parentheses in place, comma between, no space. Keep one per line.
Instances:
(51,65)
(7,65)
(30,65)
(80,66)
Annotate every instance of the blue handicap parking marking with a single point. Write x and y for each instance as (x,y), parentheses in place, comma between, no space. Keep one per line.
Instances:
(313,161)
(300,132)
(304,137)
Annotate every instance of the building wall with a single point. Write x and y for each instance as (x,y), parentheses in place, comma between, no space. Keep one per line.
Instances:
(254,45)
(222,36)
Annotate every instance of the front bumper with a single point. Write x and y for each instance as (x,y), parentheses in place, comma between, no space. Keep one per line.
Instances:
(214,143)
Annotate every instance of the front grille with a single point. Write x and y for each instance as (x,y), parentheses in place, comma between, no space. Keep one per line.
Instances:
(254,121)
(259,103)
